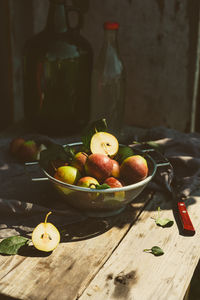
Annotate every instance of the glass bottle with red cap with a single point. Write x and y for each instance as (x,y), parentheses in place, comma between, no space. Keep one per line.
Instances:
(108,87)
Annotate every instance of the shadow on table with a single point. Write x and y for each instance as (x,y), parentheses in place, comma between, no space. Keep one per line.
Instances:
(92,227)
(5,297)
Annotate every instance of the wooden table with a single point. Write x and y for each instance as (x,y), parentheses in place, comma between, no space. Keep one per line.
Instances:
(104,258)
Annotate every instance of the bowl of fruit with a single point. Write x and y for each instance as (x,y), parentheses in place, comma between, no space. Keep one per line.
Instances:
(98,175)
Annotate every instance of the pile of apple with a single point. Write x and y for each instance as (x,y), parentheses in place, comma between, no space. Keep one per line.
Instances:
(105,164)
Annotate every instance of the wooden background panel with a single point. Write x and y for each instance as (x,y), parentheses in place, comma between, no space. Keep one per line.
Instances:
(157,41)
(6,114)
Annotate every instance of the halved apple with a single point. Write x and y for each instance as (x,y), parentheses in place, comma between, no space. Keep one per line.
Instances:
(104,143)
(45,236)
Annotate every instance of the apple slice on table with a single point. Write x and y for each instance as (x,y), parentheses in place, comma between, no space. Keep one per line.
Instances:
(45,236)
(104,143)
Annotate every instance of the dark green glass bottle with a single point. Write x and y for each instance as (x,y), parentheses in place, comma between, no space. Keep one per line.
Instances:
(57,75)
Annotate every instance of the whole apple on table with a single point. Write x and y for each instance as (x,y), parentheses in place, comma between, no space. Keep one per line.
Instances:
(107,162)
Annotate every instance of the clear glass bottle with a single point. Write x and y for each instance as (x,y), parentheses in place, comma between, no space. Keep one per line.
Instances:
(57,75)
(108,83)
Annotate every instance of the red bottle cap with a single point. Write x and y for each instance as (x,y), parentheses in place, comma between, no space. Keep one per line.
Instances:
(111,25)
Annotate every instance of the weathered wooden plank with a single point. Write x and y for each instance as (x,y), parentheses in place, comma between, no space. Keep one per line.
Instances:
(130,273)
(68,270)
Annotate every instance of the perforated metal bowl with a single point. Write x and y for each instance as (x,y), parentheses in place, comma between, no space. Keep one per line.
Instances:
(101,203)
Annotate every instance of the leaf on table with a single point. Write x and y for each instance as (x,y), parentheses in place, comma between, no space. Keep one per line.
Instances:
(90,130)
(163,222)
(11,245)
(155,250)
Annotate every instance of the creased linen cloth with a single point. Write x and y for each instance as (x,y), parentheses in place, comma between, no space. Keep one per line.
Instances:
(24,204)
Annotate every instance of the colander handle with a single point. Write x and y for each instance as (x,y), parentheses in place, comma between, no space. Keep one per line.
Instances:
(159,159)
(31,164)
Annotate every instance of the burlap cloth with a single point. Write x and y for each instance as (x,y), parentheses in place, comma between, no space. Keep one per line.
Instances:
(23,203)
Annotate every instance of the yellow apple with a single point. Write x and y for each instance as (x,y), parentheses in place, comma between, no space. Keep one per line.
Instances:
(45,236)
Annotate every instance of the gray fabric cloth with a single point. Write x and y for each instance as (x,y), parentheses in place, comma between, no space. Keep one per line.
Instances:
(24,204)
(183,152)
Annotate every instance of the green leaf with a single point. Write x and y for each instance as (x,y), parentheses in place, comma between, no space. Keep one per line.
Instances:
(99,125)
(123,153)
(163,222)
(155,250)
(11,245)
(70,151)
(102,186)
(52,153)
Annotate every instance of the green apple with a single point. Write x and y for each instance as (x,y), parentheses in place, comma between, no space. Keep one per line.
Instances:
(133,169)
(45,236)
(67,174)
(98,166)
(88,182)
(104,143)
(79,161)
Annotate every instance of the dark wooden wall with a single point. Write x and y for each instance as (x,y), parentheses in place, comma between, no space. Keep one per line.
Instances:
(158,41)
(6,93)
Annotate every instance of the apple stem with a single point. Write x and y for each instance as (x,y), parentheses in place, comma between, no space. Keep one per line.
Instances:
(55,169)
(47,217)
(85,154)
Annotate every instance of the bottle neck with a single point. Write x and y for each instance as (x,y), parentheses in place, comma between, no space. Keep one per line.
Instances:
(56,19)
(110,37)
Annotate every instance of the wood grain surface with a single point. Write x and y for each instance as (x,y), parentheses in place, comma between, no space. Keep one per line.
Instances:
(67,271)
(131,273)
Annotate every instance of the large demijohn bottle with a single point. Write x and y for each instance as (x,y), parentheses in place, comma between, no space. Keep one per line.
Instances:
(57,75)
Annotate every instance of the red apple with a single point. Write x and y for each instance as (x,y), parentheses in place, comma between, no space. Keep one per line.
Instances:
(133,169)
(27,151)
(98,166)
(79,161)
(116,169)
(113,182)
(15,145)
(88,182)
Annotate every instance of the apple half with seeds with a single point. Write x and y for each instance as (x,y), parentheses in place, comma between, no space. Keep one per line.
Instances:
(104,143)
(45,236)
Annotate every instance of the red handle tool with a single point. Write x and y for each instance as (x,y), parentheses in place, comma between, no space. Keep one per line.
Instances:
(185,218)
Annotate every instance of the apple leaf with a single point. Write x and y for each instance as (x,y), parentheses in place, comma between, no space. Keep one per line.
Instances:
(163,222)
(102,186)
(11,245)
(123,153)
(55,152)
(90,130)
(155,250)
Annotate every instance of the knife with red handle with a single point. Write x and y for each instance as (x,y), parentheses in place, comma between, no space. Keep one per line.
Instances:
(165,167)
(185,219)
